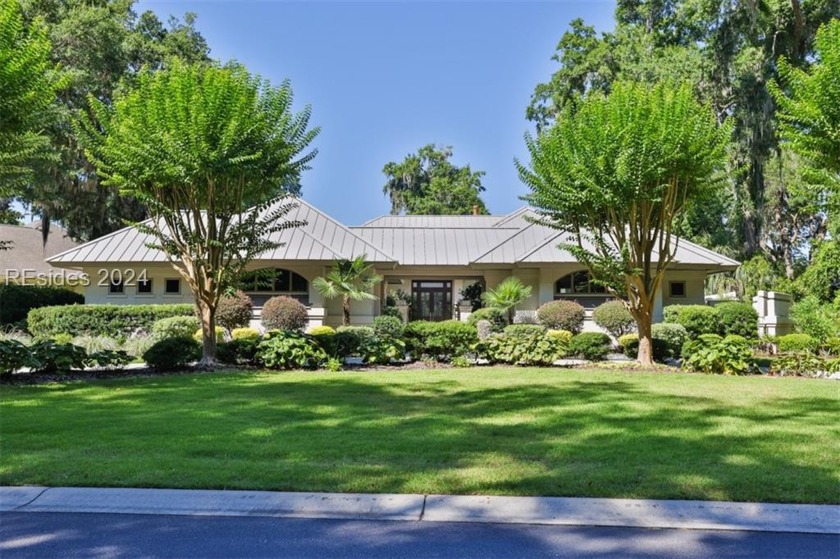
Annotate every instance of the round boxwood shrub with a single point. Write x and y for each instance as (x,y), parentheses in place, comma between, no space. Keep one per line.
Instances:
(176,326)
(494,316)
(172,353)
(561,315)
(388,327)
(325,337)
(696,319)
(614,317)
(797,342)
(284,313)
(220,335)
(592,346)
(244,334)
(738,318)
(234,311)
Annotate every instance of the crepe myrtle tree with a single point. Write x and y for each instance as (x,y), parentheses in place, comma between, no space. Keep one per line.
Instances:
(207,149)
(617,174)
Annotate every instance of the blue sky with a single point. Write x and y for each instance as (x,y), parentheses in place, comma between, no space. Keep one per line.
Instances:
(384,78)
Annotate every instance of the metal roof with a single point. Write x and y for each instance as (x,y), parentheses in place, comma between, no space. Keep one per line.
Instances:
(407,240)
(457,246)
(434,221)
(321,238)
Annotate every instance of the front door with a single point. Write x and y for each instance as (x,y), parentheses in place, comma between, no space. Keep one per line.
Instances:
(432,300)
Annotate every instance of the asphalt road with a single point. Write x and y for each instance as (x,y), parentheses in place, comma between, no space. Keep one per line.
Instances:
(105,536)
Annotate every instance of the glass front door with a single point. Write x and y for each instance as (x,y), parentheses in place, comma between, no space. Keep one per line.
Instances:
(432,300)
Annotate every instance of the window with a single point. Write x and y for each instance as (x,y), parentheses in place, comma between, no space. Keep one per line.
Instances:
(116,287)
(276,280)
(173,286)
(577,283)
(676,289)
(144,286)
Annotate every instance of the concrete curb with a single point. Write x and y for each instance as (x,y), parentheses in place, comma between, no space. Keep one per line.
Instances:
(638,513)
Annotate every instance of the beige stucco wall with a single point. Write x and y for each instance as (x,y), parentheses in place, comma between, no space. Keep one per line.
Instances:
(541,280)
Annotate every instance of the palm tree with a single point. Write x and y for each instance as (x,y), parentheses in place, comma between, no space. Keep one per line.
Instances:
(351,280)
(507,295)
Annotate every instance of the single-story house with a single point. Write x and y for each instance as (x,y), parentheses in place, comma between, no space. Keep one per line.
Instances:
(24,259)
(430,258)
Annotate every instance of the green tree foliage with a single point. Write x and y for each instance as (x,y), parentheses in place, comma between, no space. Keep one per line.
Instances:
(351,280)
(729,50)
(617,173)
(99,47)
(198,146)
(427,183)
(27,90)
(809,110)
(505,296)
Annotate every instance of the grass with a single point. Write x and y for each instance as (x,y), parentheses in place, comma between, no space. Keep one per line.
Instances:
(475,431)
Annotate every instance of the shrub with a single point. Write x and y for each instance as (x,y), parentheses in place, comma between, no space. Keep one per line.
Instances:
(95,344)
(117,321)
(614,317)
(523,347)
(390,310)
(17,300)
(696,319)
(388,327)
(494,316)
(483,328)
(517,329)
(174,327)
(799,363)
(592,346)
(671,336)
(289,349)
(560,336)
(198,335)
(731,355)
(62,338)
(797,342)
(525,317)
(234,311)
(284,313)
(382,349)
(109,358)
(561,315)
(738,318)
(349,340)
(325,337)
(238,351)
(172,353)
(814,318)
(14,355)
(440,340)
(244,334)
(707,339)
(51,357)
(832,346)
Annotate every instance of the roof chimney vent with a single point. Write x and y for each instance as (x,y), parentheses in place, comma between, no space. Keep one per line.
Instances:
(475,209)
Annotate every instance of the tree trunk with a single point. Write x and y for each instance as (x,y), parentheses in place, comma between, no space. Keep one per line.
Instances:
(345,307)
(208,336)
(644,322)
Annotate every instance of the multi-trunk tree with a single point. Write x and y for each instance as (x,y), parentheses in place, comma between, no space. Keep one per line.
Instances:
(206,151)
(617,173)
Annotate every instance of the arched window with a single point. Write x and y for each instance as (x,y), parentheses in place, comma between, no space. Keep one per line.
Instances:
(274,280)
(577,283)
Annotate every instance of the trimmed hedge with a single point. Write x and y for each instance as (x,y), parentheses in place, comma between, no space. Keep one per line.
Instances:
(592,346)
(736,318)
(797,342)
(696,319)
(17,300)
(440,340)
(614,317)
(100,320)
(284,313)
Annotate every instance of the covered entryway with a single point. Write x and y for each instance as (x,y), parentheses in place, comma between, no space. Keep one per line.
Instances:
(432,300)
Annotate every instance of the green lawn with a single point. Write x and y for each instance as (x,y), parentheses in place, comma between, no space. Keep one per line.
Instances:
(474,431)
